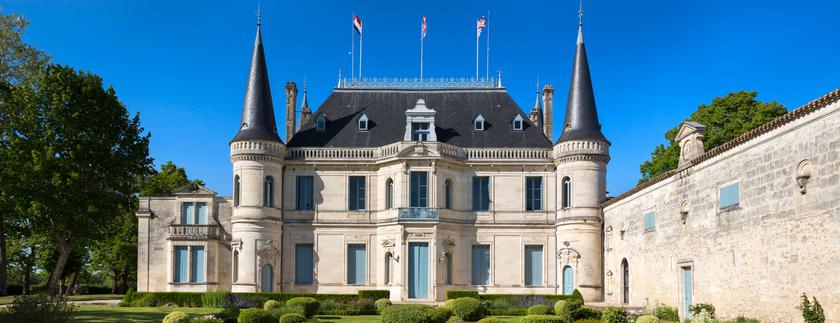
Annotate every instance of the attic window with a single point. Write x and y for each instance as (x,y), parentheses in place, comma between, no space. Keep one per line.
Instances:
(363,123)
(517,122)
(478,123)
(321,123)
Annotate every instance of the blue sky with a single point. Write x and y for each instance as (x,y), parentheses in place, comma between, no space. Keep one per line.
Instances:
(183,64)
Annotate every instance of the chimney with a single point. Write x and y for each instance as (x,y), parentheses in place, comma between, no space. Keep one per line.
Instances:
(548,110)
(291,105)
(690,137)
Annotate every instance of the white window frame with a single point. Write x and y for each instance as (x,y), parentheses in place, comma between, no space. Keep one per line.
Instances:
(363,120)
(518,123)
(478,123)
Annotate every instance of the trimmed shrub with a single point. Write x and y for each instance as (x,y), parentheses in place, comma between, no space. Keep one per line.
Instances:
(492,320)
(271,304)
(588,321)
(374,294)
(416,313)
(703,317)
(467,308)
(696,308)
(615,315)
(664,312)
(207,319)
(453,294)
(562,309)
(543,319)
(455,319)
(176,317)
(307,305)
(508,312)
(812,312)
(254,315)
(213,299)
(292,318)
(381,304)
(539,309)
(586,312)
(40,308)
(523,301)
(647,319)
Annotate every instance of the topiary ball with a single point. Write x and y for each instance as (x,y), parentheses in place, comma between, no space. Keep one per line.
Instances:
(538,309)
(647,319)
(271,304)
(292,318)
(254,315)
(381,304)
(467,308)
(306,305)
(615,315)
(176,317)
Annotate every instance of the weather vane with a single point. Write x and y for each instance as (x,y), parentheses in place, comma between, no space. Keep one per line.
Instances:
(580,13)
(258,13)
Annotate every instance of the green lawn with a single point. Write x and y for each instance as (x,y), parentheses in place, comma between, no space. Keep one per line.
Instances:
(107,314)
(8,299)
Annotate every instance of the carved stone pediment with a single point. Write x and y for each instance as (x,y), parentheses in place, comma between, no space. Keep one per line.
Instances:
(419,150)
(568,256)
(267,254)
(388,245)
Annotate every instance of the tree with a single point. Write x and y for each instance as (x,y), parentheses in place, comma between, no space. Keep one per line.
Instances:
(163,183)
(726,118)
(76,153)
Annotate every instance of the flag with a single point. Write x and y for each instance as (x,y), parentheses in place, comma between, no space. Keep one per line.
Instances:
(424,26)
(357,23)
(480,24)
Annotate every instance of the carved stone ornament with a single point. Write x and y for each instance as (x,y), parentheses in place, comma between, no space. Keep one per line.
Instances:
(267,254)
(684,211)
(568,256)
(803,175)
(388,245)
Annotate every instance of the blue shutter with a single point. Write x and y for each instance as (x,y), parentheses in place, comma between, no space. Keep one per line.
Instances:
(187,213)
(730,195)
(202,213)
(650,221)
(480,265)
(181,260)
(533,265)
(419,189)
(418,270)
(568,280)
(305,192)
(475,194)
(197,265)
(734,193)
(352,194)
(356,264)
(304,262)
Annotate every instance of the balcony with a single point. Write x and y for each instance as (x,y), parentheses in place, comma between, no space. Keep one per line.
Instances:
(193,232)
(418,214)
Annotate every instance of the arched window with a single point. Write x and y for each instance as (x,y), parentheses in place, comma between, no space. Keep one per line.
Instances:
(235,265)
(447,194)
(236,190)
(389,193)
(567,192)
(625,281)
(388,257)
(568,280)
(447,267)
(267,278)
(268,192)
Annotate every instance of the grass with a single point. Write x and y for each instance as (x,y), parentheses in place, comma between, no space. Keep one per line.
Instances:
(8,299)
(108,314)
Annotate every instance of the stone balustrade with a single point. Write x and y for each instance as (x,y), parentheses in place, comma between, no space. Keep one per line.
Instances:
(433,148)
(418,213)
(193,232)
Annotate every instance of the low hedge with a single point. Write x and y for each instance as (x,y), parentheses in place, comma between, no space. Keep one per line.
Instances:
(647,319)
(307,305)
(467,308)
(213,299)
(254,315)
(416,313)
(543,319)
(548,298)
(453,294)
(508,311)
(374,294)
(539,309)
(292,318)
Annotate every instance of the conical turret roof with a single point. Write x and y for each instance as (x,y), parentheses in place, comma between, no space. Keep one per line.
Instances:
(258,121)
(581,121)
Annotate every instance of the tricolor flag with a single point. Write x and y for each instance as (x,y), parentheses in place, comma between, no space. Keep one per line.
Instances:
(357,23)
(480,24)
(424,26)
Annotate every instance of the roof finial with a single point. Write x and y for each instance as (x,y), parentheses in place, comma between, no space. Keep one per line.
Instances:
(580,13)
(304,84)
(538,84)
(259,14)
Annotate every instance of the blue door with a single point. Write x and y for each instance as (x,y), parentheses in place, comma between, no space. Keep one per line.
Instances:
(267,278)
(568,280)
(687,285)
(418,270)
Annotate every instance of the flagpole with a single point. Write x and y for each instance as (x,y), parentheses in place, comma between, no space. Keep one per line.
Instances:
(487,60)
(352,48)
(477,35)
(421,53)
(361,42)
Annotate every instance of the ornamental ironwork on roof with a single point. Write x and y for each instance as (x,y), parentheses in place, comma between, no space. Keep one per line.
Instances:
(419,84)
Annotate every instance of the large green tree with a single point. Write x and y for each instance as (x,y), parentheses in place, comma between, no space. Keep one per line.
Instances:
(725,118)
(77,154)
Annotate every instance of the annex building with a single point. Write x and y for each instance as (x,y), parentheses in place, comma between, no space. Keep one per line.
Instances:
(419,187)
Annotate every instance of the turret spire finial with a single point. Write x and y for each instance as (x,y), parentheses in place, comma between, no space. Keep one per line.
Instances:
(580,12)
(259,14)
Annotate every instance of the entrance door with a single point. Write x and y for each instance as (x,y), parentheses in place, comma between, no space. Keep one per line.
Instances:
(418,270)
(687,289)
(568,280)
(266,278)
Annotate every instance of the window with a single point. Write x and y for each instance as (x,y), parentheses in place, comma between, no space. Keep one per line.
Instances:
(481,193)
(388,273)
(518,123)
(480,265)
(419,131)
(650,221)
(194,213)
(533,193)
(267,278)
(447,194)
(533,265)
(363,123)
(268,191)
(236,190)
(568,280)
(189,264)
(730,195)
(389,193)
(235,265)
(182,273)
(197,264)
(305,195)
(447,263)
(304,263)
(356,264)
(419,189)
(478,123)
(356,193)
(567,193)
(320,123)
(625,281)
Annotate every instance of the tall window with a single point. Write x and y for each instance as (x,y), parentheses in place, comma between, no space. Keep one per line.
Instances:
(730,195)
(567,193)
(533,193)
(650,221)
(304,263)
(625,281)
(196,264)
(194,213)
(480,265)
(320,123)
(236,190)
(182,274)
(356,264)
(235,265)
(389,193)
(268,191)
(356,193)
(419,131)
(447,263)
(419,189)
(447,192)
(189,264)
(568,280)
(481,193)
(305,193)
(388,257)
(533,265)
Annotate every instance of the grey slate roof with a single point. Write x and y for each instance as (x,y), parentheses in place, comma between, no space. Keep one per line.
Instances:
(385,108)
(581,122)
(257,112)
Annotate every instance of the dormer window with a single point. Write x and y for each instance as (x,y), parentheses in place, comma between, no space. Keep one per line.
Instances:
(518,123)
(419,131)
(321,123)
(363,123)
(478,123)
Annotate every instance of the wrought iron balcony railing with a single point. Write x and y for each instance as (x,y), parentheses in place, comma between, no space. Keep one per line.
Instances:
(193,232)
(419,213)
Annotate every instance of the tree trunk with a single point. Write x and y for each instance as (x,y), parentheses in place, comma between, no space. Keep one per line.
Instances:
(4,259)
(27,280)
(72,285)
(65,246)
(124,282)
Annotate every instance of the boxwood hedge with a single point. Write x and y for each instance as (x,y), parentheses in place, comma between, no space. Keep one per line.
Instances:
(197,299)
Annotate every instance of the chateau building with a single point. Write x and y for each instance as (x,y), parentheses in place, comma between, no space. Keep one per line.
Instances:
(427,186)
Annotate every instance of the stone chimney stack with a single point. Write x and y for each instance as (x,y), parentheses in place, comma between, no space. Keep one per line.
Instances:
(291,105)
(690,137)
(548,111)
